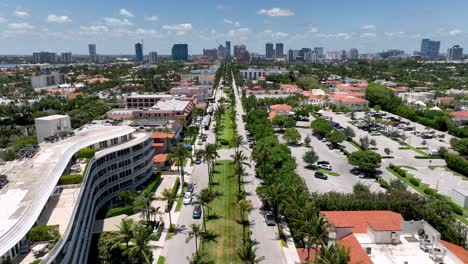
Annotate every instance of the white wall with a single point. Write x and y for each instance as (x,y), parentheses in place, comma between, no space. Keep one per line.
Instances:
(48,126)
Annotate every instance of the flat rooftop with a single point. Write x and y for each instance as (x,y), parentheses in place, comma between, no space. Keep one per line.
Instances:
(170,105)
(32,181)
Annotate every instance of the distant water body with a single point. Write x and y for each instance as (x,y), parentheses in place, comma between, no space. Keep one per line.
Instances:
(4,65)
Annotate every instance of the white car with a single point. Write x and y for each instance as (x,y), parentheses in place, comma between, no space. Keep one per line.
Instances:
(325,166)
(187,198)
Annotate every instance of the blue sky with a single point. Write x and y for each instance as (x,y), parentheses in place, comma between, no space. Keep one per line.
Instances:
(115,25)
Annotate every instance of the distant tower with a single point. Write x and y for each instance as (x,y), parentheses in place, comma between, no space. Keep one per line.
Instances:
(139,52)
(269,51)
(180,52)
(92,52)
(153,57)
(227,50)
(279,50)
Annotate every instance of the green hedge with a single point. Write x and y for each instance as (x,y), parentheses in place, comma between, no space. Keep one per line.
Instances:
(174,191)
(43,233)
(398,170)
(224,142)
(86,153)
(384,184)
(128,210)
(457,163)
(428,157)
(71,179)
(414,182)
(153,184)
(430,191)
(455,207)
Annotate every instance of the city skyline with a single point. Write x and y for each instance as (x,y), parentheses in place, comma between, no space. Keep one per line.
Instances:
(370,27)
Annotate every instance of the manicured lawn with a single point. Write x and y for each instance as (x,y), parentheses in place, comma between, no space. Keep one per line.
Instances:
(225,224)
(226,132)
(161,260)
(331,173)
(180,200)
(170,233)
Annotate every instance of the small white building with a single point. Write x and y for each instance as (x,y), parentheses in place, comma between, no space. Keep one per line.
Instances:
(460,197)
(50,125)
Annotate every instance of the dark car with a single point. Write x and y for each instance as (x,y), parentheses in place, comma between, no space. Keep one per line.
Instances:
(269,218)
(320,175)
(251,145)
(190,187)
(198,160)
(197,212)
(323,162)
(355,171)
(204,137)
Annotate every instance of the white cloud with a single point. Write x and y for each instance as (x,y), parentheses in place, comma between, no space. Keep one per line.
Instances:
(179,29)
(94,29)
(368,35)
(148,32)
(21,14)
(313,29)
(239,33)
(125,12)
(269,33)
(341,35)
(3,20)
(115,22)
(58,19)
(20,26)
(232,22)
(455,32)
(151,18)
(394,34)
(369,27)
(219,6)
(275,12)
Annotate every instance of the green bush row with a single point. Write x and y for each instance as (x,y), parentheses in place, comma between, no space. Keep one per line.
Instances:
(398,170)
(71,179)
(414,181)
(224,142)
(128,210)
(153,184)
(174,191)
(383,183)
(457,163)
(86,153)
(43,233)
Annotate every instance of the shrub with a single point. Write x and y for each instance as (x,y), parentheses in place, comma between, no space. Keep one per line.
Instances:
(174,191)
(429,191)
(86,153)
(414,182)
(43,233)
(153,184)
(457,163)
(224,142)
(71,179)
(384,184)
(456,209)
(128,210)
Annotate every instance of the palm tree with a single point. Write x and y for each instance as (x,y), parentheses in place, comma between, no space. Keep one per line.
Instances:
(195,231)
(247,254)
(209,156)
(239,160)
(334,255)
(125,233)
(200,257)
(179,154)
(239,171)
(244,207)
(170,197)
(143,205)
(238,142)
(140,251)
(204,198)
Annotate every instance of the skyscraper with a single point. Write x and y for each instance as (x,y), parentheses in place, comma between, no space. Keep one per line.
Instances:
(455,53)
(180,52)
(241,54)
(319,51)
(430,48)
(92,52)
(153,57)
(353,54)
(221,52)
(139,52)
(66,57)
(290,55)
(269,50)
(279,50)
(210,53)
(227,50)
(44,57)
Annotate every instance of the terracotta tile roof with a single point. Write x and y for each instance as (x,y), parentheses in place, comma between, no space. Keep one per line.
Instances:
(160,158)
(311,96)
(359,220)
(458,251)
(346,98)
(160,135)
(459,114)
(74,95)
(272,115)
(302,252)
(356,252)
(281,107)
(344,87)
(157,145)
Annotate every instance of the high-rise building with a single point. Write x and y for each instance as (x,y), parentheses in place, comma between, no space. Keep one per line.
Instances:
(66,57)
(241,54)
(269,51)
(353,54)
(290,55)
(221,52)
(139,52)
(227,50)
(430,48)
(55,78)
(310,57)
(210,53)
(319,51)
(44,57)
(343,55)
(92,53)
(333,55)
(455,53)
(153,57)
(279,50)
(180,52)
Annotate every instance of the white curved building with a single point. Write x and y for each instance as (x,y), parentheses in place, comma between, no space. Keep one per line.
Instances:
(123,161)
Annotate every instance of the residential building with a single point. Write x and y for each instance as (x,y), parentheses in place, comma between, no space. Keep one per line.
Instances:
(66,57)
(424,97)
(290,55)
(382,237)
(227,50)
(310,57)
(280,110)
(319,51)
(168,109)
(201,92)
(139,52)
(333,55)
(279,50)
(44,57)
(41,81)
(445,100)
(430,48)
(455,53)
(252,74)
(153,57)
(210,53)
(180,52)
(352,102)
(343,55)
(92,53)
(459,116)
(140,101)
(221,52)
(353,54)
(123,161)
(162,142)
(391,54)
(269,51)
(241,54)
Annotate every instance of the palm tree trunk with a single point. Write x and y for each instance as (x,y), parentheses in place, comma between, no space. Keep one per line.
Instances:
(204,219)
(196,243)
(170,219)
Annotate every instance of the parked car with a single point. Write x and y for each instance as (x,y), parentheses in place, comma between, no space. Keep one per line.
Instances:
(320,175)
(204,137)
(187,198)
(197,212)
(190,187)
(251,145)
(270,218)
(355,171)
(323,162)
(375,133)
(198,160)
(325,166)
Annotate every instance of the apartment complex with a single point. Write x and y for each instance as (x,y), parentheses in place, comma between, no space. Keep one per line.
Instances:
(55,78)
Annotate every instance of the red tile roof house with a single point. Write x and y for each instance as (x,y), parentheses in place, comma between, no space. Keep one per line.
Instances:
(352,102)
(161,142)
(459,116)
(444,100)
(383,237)
(281,109)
